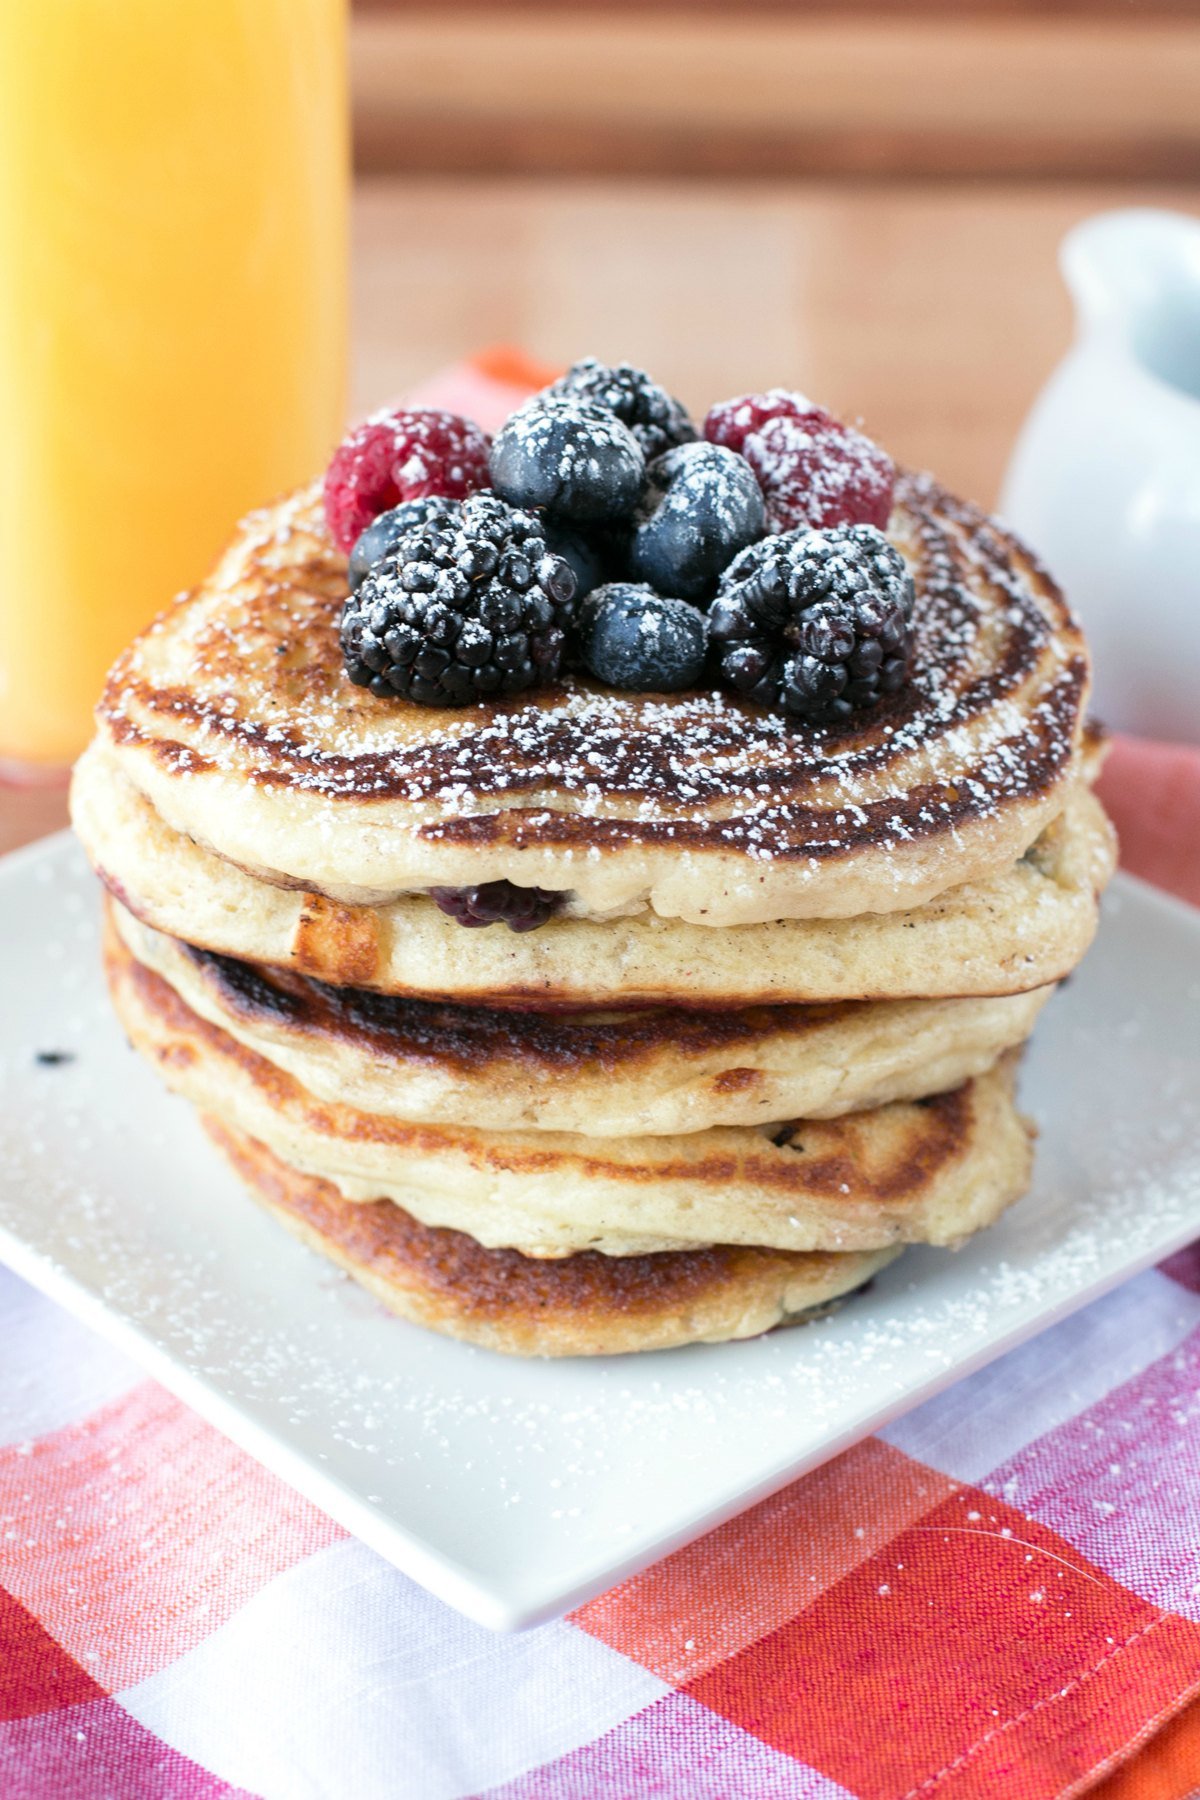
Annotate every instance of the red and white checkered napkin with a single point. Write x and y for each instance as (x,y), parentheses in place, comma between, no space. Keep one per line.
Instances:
(998,1597)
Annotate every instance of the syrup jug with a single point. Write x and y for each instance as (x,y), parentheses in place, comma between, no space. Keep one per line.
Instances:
(1104,483)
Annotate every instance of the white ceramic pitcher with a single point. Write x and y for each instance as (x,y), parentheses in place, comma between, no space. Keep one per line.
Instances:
(1105,479)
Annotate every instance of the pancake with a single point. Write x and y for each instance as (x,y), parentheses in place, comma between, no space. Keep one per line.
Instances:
(603,1074)
(1019,930)
(932,1171)
(235,717)
(586,1305)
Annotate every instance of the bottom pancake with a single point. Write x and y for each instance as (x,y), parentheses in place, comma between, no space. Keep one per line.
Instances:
(583,1305)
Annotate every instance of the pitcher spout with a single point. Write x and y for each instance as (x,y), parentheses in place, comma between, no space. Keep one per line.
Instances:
(1122,265)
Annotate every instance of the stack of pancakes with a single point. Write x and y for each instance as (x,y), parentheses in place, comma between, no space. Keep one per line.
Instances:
(767,1039)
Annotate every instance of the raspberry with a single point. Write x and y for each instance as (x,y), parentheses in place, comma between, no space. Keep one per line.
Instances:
(497,903)
(466,606)
(815,623)
(731,421)
(818,473)
(813,470)
(399,456)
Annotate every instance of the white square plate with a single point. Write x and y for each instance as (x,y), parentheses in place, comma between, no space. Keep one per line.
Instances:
(516,1489)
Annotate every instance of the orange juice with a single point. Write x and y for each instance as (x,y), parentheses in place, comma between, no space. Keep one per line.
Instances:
(173,181)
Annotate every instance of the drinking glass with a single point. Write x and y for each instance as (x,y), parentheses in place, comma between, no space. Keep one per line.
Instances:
(173,301)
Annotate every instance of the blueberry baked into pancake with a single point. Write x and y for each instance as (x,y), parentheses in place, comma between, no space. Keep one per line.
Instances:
(595,883)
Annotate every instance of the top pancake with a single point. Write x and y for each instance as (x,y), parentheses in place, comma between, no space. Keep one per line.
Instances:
(233,714)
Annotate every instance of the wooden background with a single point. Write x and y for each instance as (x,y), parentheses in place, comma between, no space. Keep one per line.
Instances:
(965,89)
(863,200)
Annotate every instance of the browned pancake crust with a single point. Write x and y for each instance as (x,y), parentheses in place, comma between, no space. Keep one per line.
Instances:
(945,1127)
(580,1305)
(470,1038)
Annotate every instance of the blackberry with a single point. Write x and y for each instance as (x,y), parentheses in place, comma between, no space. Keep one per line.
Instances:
(498,903)
(702,504)
(631,637)
(570,456)
(469,605)
(815,623)
(657,421)
(382,535)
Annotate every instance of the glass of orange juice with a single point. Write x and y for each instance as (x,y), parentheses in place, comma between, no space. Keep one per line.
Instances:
(173,296)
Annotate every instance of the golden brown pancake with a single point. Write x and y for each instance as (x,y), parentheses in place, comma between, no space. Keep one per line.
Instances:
(1019,930)
(585,1305)
(235,717)
(931,1171)
(656,1072)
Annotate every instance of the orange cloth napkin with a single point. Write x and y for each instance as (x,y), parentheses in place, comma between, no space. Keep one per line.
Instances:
(1152,792)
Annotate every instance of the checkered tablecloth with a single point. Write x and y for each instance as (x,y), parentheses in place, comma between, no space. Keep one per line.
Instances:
(998,1598)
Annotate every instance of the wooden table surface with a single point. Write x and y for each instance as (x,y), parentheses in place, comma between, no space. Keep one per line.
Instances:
(933,311)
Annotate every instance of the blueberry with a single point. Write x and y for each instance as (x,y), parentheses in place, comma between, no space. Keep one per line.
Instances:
(381,536)
(631,637)
(572,457)
(588,554)
(702,504)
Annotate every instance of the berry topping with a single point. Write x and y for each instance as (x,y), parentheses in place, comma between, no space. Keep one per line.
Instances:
(498,903)
(468,605)
(819,473)
(730,422)
(631,637)
(701,506)
(657,421)
(399,456)
(382,535)
(814,471)
(815,623)
(572,457)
